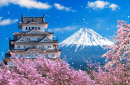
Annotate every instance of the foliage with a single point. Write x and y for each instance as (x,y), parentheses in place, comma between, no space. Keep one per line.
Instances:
(117,70)
(42,71)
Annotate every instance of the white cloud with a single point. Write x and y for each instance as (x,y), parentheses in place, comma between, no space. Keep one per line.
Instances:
(7,21)
(113,6)
(101,5)
(98,4)
(4,3)
(25,3)
(67,28)
(60,7)
(1,18)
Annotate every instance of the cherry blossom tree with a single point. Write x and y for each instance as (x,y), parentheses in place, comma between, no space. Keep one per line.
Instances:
(121,49)
(117,68)
(42,71)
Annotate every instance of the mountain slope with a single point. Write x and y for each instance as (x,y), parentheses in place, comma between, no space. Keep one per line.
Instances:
(85,37)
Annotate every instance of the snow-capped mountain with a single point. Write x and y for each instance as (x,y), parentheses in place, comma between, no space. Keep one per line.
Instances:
(85,37)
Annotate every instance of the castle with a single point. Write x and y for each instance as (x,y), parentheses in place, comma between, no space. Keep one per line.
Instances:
(32,40)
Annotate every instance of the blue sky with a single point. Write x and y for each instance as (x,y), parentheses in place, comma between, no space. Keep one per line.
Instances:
(64,16)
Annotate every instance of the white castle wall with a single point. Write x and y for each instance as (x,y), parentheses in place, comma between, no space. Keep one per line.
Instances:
(34,55)
(42,28)
(33,38)
(28,55)
(41,46)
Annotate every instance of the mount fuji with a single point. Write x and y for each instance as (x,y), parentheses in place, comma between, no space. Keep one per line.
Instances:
(85,37)
(85,44)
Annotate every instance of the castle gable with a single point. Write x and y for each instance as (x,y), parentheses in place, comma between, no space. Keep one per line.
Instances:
(22,39)
(46,39)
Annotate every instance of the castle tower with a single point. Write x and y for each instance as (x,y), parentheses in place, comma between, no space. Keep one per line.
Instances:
(31,40)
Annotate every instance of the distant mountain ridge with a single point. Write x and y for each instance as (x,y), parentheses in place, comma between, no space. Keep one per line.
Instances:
(85,37)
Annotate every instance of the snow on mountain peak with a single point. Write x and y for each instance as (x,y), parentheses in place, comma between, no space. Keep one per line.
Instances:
(85,37)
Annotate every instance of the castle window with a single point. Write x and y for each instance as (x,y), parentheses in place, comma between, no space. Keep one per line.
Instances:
(38,28)
(28,38)
(24,46)
(43,46)
(35,27)
(18,46)
(46,55)
(26,28)
(21,55)
(53,55)
(32,27)
(38,38)
(49,46)
(29,28)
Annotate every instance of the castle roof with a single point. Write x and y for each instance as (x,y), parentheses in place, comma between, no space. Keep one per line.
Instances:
(23,40)
(28,20)
(34,48)
(34,31)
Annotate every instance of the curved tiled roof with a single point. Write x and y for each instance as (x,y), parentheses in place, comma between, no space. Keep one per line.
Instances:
(39,32)
(44,50)
(27,20)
